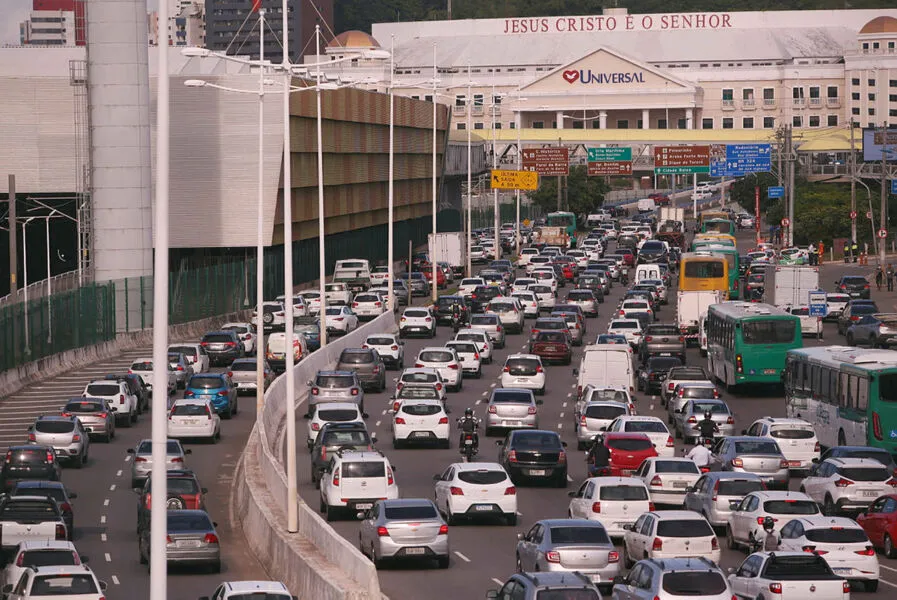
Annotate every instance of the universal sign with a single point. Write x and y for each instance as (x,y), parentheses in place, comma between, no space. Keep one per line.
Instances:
(618,23)
(587,77)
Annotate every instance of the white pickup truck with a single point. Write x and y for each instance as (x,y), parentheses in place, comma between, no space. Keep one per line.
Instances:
(337,294)
(787,576)
(29,519)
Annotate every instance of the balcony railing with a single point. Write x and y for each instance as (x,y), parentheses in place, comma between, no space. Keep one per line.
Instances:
(459,109)
(815,102)
(477,109)
(769,103)
(748,104)
(495,111)
(728,104)
(833,102)
(798,101)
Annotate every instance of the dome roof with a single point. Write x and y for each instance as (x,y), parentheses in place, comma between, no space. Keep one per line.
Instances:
(880,25)
(353,39)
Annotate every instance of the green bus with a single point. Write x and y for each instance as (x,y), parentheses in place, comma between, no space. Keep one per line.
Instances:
(849,394)
(724,226)
(747,342)
(731,255)
(566,220)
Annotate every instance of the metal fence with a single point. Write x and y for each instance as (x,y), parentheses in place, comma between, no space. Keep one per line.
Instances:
(482,217)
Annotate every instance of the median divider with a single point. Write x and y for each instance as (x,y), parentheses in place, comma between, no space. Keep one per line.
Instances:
(315,562)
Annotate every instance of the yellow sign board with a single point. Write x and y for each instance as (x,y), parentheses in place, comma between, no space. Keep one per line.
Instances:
(514,180)
(526,222)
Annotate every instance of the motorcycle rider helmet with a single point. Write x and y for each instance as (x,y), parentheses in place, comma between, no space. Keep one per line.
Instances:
(768,524)
(468,412)
(708,415)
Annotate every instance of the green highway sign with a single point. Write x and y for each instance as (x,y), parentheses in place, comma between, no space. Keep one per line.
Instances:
(681,170)
(609,154)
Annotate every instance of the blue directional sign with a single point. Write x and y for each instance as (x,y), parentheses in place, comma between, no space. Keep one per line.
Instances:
(894,187)
(775,191)
(748,158)
(818,303)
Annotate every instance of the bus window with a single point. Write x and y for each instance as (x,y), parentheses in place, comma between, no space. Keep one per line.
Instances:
(768,332)
(704,269)
(863,394)
(887,387)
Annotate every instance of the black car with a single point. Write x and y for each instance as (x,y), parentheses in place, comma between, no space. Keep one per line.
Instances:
(534,454)
(334,436)
(136,386)
(223,347)
(29,462)
(443,310)
(652,251)
(627,240)
(855,285)
(655,370)
(481,296)
(54,490)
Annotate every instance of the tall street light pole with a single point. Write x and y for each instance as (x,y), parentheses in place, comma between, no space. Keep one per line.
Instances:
(159,436)
(496,217)
(467,105)
(322,252)
(260,235)
(433,183)
(390,250)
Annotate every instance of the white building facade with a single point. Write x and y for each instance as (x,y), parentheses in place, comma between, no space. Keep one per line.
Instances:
(48,28)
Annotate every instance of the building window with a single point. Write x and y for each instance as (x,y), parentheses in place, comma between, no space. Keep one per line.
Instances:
(865,45)
(728,123)
(747,123)
(536,124)
(428,97)
(892,113)
(832,91)
(871,83)
(460,125)
(893,83)
(890,45)
(478,126)
(596,124)
(832,121)
(892,97)
(639,124)
(661,123)
(622,124)
(747,94)
(871,97)
(512,125)
(871,112)
(769,122)
(814,92)
(478,99)
(682,124)
(728,94)
(875,45)
(814,120)
(855,96)
(496,99)
(870,125)
(554,124)
(855,81)
(797,121)
(415,97)
(496,125)
(707,123)
(460,100)
(855,110)
(578,125)
(797,93)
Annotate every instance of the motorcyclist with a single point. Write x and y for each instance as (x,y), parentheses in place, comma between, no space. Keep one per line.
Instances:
(469,425)
(456,316)
(599,456)
(701,455)
(707,427)
(771,542)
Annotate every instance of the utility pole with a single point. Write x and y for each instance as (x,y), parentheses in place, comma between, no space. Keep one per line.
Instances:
(853,184)
(791,167)
(779,145)
(883,218)
(560,189)
(13,239)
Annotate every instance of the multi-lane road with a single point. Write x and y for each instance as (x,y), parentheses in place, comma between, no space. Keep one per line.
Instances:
(106,507)
(483,554)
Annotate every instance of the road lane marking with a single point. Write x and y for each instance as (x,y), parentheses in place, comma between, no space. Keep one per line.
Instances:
(118,474)
(886,582)
(561,415)
(477,401)
(564,405)
(492,385)
(560,425)
(103,519)
(569,479)
(519,514)
(127,458)
(486,393)
(888,568)
(106,502)
(498,581)
(377,424)
(569,394)
(103,537)
(108,557)
(384,412)
(115,580)
(461,556)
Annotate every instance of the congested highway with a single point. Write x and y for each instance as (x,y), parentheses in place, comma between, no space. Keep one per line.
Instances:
(106,507)
(483,554)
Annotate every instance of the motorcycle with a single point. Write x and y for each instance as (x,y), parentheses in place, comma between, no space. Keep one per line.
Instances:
(456,323)
(624,276)
(469,443)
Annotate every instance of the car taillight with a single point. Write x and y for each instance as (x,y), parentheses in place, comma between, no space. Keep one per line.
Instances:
(776,588)
(335,479)
(876,426)
(579,391)
(60,531)
(657,545)
(210,538)
(596,507)
(531,410)
(512,456)
(657,481)
(418,365)
(649,338)
(140,459)
(393,347)
(492,410)
(428,320)
(168,539)
(553,556)
(443,529)
(854,318)
(562,458)
(354,391)
(867,551)
(222,393)
(456,491)
(181,368)
(841,483)
(714,543)
(32,437)
(511,491)
(400,421)
(739,364)
(613,556)
(66,414)
(681,339)
(121,398)
(382,531)
(737,462)
(582,421)
(390,478)
(670,442)
(784,464)
(189,394)
(177,459)
(76,438)
(692,420)
(208,412)
(438,387)
(670,386)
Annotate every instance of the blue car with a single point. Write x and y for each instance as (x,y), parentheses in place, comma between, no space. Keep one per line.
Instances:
(218,389)
(310,327)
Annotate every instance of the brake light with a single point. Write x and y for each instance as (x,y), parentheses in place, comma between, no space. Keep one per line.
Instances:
(443,529)
(76,438)
(681,339)
(876,426)
(657,481)
(418,365)
(670,442)
(582,421)
(562,458)
(867,551)
(335,479)
(739,364)
(657,545)
(456,491)
(354,391)
(714,543)
(168,539)
(737,462)
(32,437)
(553,557)
(438,387)
(692,420)
(390,478)
(189,394)
(511,491)
(531,410)
(670,386)
(492,410)
(382,531)
(60,531)
(842,483)
(776,588)
(400,421)
(512,456)
(210,538)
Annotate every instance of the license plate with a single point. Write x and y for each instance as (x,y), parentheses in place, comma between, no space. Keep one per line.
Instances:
(870,494)
(596,578)
(483,507)
(416,328)
(769,371)
(626,473)
(522,380)
(420,434)
(509,423)
(468,442)
(415,551)
(680,484)
(188,543)
(364,506)
(666,353)
(58,452)
(537,472)
(188,422)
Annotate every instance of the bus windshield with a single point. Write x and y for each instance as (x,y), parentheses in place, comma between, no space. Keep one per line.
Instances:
(768,331)
(704,269)
(561,220)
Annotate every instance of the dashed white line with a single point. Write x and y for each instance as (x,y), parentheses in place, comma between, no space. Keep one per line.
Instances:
(106,502)
(477,401)
(127,458)
(570,394)
(108,557)
(498,581)
(888,568)
(384,412)
(118,474)
(461,556)
(103,537)
(519,514)
(486,393)
(377,424)
(492,385)
(115,580)
(564,405)
(886,582)
(561,415)
(569,479)
(103,519)
(112,488)
(560,425)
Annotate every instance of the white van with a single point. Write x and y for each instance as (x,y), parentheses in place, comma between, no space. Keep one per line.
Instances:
(605,365)
(276,348)
(643,272)
(646,205)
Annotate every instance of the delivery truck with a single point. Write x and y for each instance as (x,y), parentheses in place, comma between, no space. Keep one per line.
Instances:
(691,306)
(789,285)
(449,247)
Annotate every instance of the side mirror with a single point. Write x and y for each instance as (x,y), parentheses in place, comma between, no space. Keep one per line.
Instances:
(437,477)
(309,383)
(620,580)
(628,526)
(540,402)
(8,588)
(602,428)
(84,559)
(365,415)
(188,451)
(131,451)
(689,489)
(744,432)
(499,442)
(103,585)
(393,397)
(520,537)
(374,441)
(572,494)
(204,490)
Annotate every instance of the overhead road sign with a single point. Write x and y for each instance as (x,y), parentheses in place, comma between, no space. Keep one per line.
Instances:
(894,187)
(552,161)
(678,160)
(775,191)
(514,180)
(742,159)
(877,142)
(609,154)
(612,167)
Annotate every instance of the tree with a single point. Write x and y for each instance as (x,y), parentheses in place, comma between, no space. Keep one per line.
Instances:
(584,193)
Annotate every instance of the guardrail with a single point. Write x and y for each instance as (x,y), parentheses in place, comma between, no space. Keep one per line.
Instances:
(58,283)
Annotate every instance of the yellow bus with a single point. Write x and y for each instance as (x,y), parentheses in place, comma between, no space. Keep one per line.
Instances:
(702,271)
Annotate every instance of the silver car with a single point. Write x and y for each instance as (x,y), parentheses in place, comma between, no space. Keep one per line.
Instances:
(594,419)
(65,435)
(407,528)
(491,324)
(569,545)
(142,461)
(192,540)
(95,414)
(511,408)
(687,418)
(335,386)
(183,370)
(716,494)
(747,454)
(584,299)
(244,373)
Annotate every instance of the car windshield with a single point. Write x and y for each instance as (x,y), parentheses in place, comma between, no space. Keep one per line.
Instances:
(103,389)
(436,356)
(705,393)
(792,433)
(694,583)
(578,535)
(757,447)
(188,410)
(523,366)
(645,427)
(738,487)
(192,521)
(414,513)
(836,535)
(808,565)
(336,415)
(854,280)
(555,324)
(188,350)
(419,377)
(47,558)
(142,366)
(790,507)
(604,411)
(622,492)
(379,341)
(633,324)
(483,320)
(539,289)
(367,298)
(800,311)
(684,528)
(448,301)
(629,444)
(463,347)
(863,309)
(360,470)
(217,338)
(171,447)
(234,328)
(716,408)
(518,396)
(81,406)
(29,456)
(482,477)
(63,585)
(536,440)
(568,594)
(881,456)
(205,383)
(676,466)
(768,331)
(865,473)
(243,365)
(421,410)
(54,426)
(353,357)
(418,392)
(334,381)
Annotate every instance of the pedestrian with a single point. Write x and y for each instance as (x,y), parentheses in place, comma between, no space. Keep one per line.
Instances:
(821,251)
(879,276)
(890,276)
(854,250)
(811,253)
(846,251)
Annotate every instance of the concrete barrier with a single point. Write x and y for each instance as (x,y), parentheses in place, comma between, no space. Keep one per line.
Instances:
(13,380)
(315,562)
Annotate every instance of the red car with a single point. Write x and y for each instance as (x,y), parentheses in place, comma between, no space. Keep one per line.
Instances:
(660,199)
(880,524)
(627,451)
(628,256)
(427,270)
(566,268)
(552,346)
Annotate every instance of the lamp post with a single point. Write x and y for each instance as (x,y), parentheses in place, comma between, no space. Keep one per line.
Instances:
(25,282)
(390,250)
(469,177)
(435,73)
(260,234)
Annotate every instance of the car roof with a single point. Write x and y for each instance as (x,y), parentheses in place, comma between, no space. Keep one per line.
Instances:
(734,475)
(677,515)
(560,522)
(784,421)
(641,418)
(819,522)
(627,481)
(61,570)
(524,355)
(55,418)
(407,502)
(256,586)
(694,563)
(855,462)
(46,545)
(361,455)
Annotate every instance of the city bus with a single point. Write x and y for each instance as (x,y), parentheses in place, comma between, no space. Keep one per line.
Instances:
(563,219)
(842,391)
(703,272)
(724,226)
(710,214)
(705,239)
(730,253)
(748,343)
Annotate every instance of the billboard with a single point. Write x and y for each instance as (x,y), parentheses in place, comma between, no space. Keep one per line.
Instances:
(875,140)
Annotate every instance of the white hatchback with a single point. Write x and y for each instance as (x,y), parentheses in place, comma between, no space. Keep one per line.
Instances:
(425,376)
(654,428)
(844,543)
(194,419)
(417,321)
(808,325)
(526,254)
(475,490)
(545,296)
(368,305)
(443,360)
(796,439)
(670,534)
(481,339)
(331,412)
(421,422)
(469,355)
(546,277)
(469,284)
(613,501)
(668,479)
(631,329)
(521,284)
(389,347)
(312,300)
(529,301)
(524,371)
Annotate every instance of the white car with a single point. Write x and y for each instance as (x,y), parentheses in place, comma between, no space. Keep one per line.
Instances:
(272,315)
(39,553)
(144,368)
(244,331)
(521,284)
(580,256)
(844,544)
(523,371)
(390,348)
(469,355)
(353,480)
(62,582)
(337,294)
(421,421)
(653,427)
(422,376)
(613,501)
(312,300)
(662,291)
(196,355)
(331,412)
(300,307)
(417,321)
(489,323)
(778,572)
(536,262)
(808,325)
(380,275)
(631,329)
(510,311)
(796,439)
(668,479)
(592,418)
(848,484)
(118,396)
(836,302)
(525,255)
(340,319)
(481,339)
(475,490)
(631,307)
(469,284)
(545,296)
(546,277)
(443,360)
(368,305)
(745,525)
(193,418)
(529,301)
(670,534)
(477,254)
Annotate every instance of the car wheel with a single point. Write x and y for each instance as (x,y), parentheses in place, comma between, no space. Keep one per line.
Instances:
(330,513)
(850,340)
(730,539)
(870,586)
(627,562)
(215,567)
(227,414)
(450,518)
(78,462)
(561,481)
(511,519)
(829,508)
(888,547)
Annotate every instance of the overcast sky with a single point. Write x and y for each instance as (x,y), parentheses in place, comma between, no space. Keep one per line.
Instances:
(13,12)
